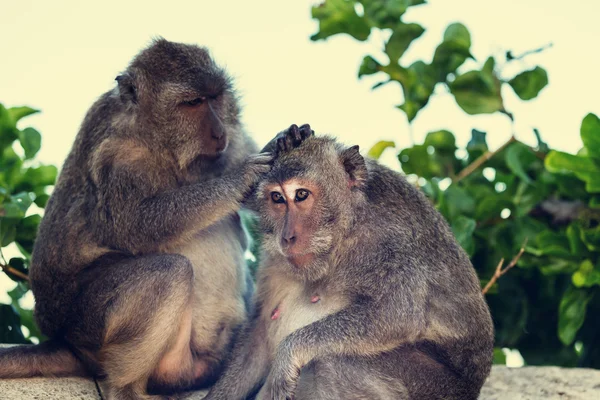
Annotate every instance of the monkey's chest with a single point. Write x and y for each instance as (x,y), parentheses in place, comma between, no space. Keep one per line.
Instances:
(295,308)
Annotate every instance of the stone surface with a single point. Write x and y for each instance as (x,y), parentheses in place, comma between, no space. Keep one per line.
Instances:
(48,389)
(529,383)
(550,383)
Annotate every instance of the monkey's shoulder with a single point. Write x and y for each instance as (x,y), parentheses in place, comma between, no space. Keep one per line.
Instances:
(131,160)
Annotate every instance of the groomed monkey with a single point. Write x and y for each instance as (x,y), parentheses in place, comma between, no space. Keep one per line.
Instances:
(363,292)
(139,267)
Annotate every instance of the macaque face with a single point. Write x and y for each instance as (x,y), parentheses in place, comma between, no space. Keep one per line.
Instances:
(294,206)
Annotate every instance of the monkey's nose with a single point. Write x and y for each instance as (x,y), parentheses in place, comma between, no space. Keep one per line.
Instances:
(217,133)
(289,240)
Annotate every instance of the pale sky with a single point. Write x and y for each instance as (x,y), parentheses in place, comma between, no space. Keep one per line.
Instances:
(60,56)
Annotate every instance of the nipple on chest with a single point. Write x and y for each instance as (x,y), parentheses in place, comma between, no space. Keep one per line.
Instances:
(315,299)
(275,314)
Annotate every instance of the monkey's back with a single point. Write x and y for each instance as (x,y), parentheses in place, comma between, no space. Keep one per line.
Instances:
(66,243)
(415,237)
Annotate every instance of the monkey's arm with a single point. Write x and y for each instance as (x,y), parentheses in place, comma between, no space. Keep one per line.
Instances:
(247,367)
(141,215)
(366,327)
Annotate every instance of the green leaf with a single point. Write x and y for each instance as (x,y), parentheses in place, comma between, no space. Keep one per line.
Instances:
(452,52)
(541,146)
(463,229)
(528,84)
(499,356)
(8,128)
(10,329)
(368,66)
(31,141)
(418,82)
(571,313)
(584,168)
(442,141)
(416,160)
(22,200)
(574,235)
(491,207)
(41,200)
(339,16)
(586,275)
(553,244)
(401,38)
(387,13)
(8,231)
(478,92)
(456,202)
(477,146)
(379,147)
(35,178)
(17,113)
(27,231)
(518,158)
(590,134)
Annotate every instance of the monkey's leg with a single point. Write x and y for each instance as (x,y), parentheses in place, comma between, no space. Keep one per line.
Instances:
(247,368)
(137,312)
(401,374)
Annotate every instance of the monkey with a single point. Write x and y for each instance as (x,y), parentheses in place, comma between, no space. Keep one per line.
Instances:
(363,291)
(138,269)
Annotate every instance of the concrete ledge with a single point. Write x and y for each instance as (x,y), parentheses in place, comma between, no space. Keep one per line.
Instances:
(529,383)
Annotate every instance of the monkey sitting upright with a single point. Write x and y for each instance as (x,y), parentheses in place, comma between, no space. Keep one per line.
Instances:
(139,267)
(363,292)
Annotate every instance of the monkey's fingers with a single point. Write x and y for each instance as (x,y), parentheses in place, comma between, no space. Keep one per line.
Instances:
(282,144)
(295,136)
(306,132)
(261,158)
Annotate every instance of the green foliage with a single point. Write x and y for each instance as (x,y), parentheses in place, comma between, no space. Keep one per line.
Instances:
(23,183)
(476,91)
(497,202)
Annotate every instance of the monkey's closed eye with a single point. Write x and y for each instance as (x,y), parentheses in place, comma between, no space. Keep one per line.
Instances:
(301,194)
(277,197)
(195,102)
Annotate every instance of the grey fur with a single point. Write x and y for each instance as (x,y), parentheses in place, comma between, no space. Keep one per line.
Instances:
(141,233)
(400,315)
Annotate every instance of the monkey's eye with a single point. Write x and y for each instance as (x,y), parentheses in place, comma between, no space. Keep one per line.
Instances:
(277,197)
(301,194)
(195,102)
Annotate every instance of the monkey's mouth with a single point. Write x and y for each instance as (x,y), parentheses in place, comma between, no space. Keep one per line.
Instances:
(300,260)
(221,145)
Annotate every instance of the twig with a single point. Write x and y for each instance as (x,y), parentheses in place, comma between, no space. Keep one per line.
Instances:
(499,271)
(510,57)
(13,271)
(469,169)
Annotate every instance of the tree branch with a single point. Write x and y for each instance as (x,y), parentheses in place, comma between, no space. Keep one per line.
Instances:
(469,169)
(510,57)
(499,271)
(13,271)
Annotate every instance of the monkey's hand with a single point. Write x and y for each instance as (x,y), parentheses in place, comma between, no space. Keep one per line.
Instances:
(288,139)
(255,167)
(283,378)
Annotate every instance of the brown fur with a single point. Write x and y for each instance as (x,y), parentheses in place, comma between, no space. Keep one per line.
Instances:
(124,270)
(387,306)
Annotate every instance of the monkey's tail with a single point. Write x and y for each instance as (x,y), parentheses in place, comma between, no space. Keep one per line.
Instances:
(49,359)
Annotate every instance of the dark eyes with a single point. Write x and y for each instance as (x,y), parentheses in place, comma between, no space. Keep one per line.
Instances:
(195,102)
(301,195)
(277,197)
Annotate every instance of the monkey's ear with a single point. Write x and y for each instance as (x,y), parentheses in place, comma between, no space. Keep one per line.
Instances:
(355,167)
(127,88)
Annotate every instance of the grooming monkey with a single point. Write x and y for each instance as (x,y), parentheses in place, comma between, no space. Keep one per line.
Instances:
(363,292)
(139,268)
